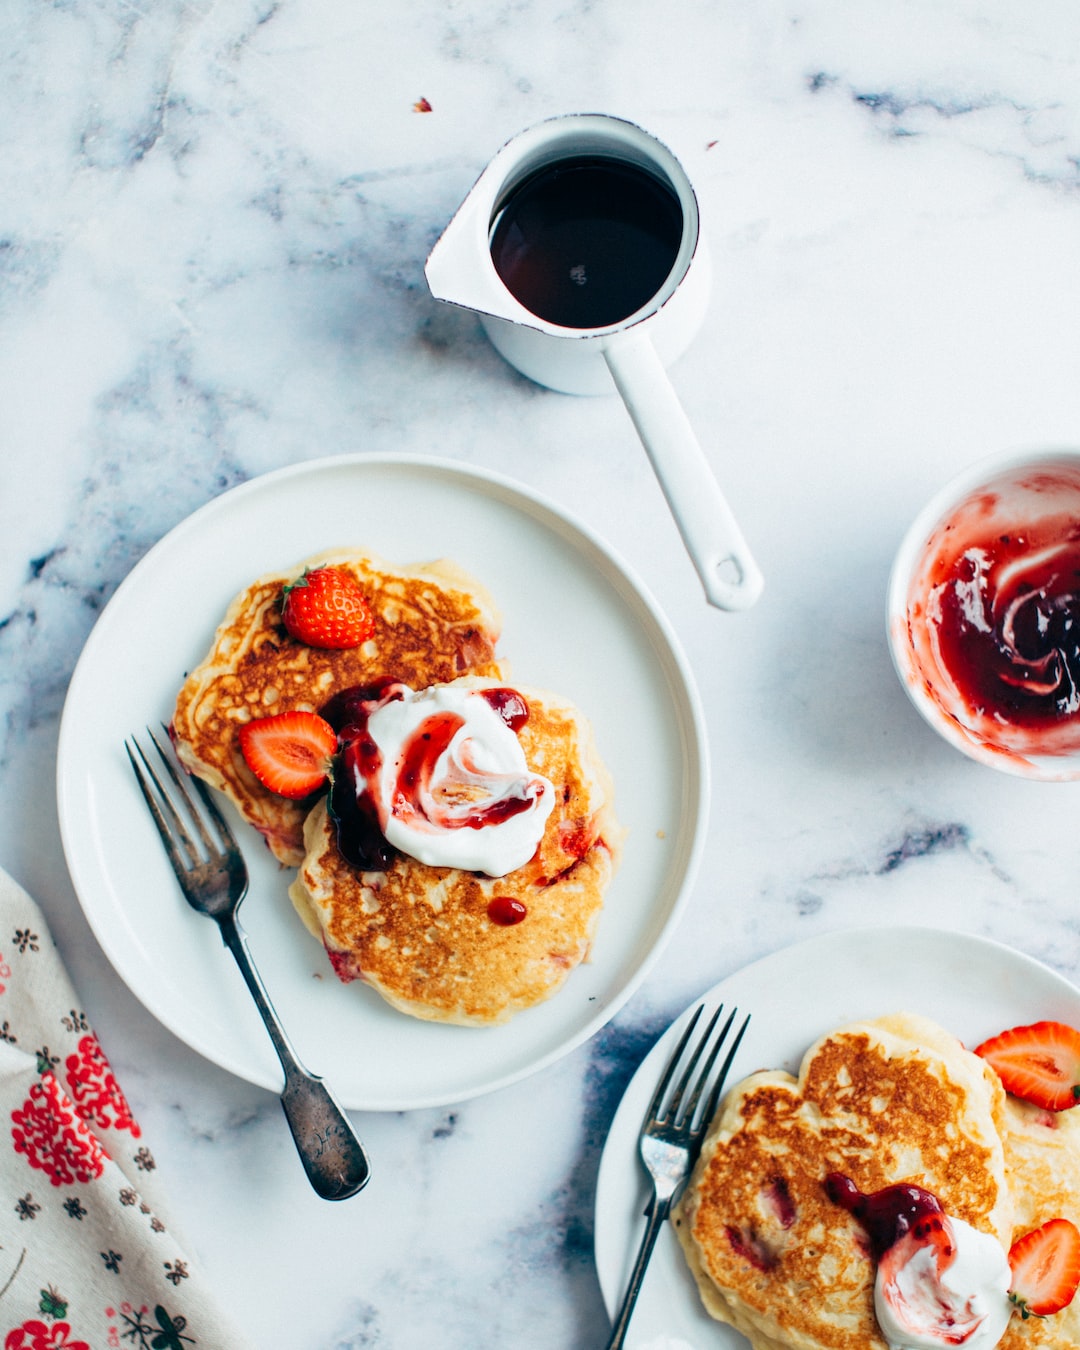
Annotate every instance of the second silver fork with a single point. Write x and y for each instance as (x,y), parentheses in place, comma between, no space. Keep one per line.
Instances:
(213,877)
(672,1134)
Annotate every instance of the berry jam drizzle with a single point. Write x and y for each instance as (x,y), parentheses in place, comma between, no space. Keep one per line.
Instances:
(359,835)
(510,705)
(889,1214)
(420,754)
(347,712)
(1008,624)
(506,910)
(413,798)
(360,839)
(359,832)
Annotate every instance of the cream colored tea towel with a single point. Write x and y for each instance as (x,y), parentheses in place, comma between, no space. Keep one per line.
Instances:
(87,1261)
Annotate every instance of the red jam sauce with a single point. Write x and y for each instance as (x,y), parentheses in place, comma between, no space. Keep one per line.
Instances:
(1008,625)
(506,911)
(360,839)
(419,759)
(359,833)
(889,1214)
(994,615)
(511,706)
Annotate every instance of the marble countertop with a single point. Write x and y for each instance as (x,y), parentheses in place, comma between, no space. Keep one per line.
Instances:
(215,215)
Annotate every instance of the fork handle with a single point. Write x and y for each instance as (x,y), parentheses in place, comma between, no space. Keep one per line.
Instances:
(333,1157)
(656,1212)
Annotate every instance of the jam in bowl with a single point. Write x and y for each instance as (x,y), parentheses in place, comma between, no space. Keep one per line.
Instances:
(984,613)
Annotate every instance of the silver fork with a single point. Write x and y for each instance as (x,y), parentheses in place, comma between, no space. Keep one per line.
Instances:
(214,879)
(671,1138)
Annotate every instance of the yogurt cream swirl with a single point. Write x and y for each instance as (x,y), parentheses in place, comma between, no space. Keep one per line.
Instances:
(927,1296)
(448,780)
(939,1281)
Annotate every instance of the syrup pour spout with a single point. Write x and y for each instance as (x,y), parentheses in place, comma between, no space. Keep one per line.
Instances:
(459,270)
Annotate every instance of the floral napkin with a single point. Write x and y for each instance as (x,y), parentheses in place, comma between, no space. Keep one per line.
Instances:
(87,1259)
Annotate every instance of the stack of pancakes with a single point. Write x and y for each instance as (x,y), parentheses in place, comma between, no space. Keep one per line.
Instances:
(433,623)
(422,936)
(896,1099)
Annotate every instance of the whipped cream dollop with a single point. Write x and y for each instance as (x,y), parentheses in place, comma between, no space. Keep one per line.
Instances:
(449,782)
(928,1296)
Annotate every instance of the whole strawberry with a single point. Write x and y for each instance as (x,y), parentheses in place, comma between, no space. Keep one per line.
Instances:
(327,608)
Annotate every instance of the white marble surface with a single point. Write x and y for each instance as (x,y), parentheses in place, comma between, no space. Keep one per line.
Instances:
(213,222)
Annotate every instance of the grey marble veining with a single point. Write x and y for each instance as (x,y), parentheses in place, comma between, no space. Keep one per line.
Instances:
(213,223)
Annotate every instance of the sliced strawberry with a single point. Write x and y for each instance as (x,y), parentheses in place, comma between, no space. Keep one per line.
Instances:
(290,752)
(326,607)
(1040,1063)
(1045,1267)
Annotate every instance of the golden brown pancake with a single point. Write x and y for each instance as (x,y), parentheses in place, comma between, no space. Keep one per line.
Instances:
(1042,1162)
(433,623)
(897,1099)
(423,936)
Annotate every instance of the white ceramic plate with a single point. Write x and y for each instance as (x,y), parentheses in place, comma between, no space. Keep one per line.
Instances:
(575,621)
(971,986)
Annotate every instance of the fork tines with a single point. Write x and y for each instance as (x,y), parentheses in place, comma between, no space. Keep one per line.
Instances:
(682,1113)
(171,805)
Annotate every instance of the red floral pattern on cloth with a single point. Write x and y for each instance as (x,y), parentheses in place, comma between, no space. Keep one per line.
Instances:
(80,1188)
(49,1130)
(94,1088)
(35,1335)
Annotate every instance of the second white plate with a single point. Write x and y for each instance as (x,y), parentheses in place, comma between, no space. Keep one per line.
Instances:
(971,986)
(575,621)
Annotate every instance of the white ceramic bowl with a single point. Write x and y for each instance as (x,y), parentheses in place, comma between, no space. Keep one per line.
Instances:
(988,545)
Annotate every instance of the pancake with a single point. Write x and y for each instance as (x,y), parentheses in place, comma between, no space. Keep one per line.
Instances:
(896,1099)
(433,623)
(422,936)
(1042,1162)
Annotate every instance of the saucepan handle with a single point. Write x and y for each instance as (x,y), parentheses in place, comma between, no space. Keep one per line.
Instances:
(709,530)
